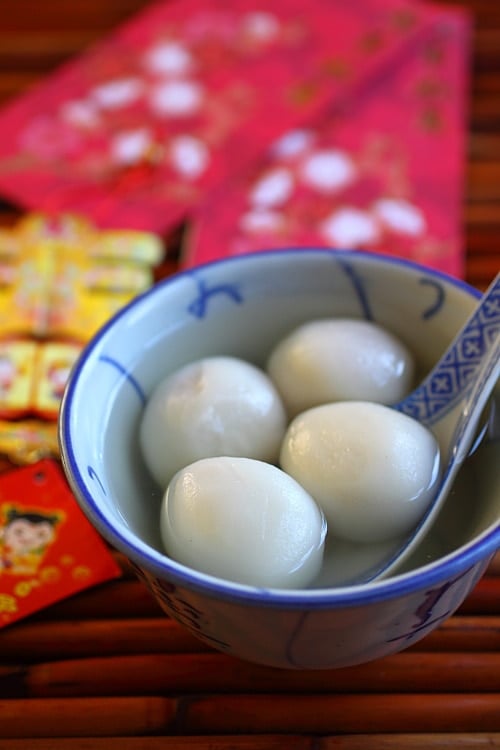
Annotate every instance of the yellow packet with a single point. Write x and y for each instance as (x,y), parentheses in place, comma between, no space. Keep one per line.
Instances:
(24,293)
(68,228)
(139,247)
(17,370)
(53,366)
(27,441)
(33,376)
(65,278)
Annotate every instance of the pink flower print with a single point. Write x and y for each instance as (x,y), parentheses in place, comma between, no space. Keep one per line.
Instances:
(8,372)
(262,221)
(176,98)
(292,144)
(350,228)
(189,156)
(47,138)
(7,274)
(131,147)
(260,27)
(210,26)
(117,94)
(328,170)
(400,216)
(80,113)
(274,188)
(168,58)
(58,376)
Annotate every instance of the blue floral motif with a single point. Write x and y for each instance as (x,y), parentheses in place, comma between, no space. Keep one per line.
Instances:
(181,609)
(198,307)
(431,611)
(93,475)
(358,289)
(364,302)
(453,379)
(436,306)
(126,374)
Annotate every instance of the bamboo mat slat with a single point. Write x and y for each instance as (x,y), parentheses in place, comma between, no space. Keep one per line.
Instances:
(445,741)
(107,670)
(174,674)
(250,713)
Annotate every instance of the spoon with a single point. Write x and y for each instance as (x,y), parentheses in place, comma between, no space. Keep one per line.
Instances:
(449,402)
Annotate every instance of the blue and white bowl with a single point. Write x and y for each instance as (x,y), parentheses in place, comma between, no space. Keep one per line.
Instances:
(242,307)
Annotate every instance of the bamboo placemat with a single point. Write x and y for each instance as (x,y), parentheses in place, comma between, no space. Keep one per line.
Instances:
(106,669)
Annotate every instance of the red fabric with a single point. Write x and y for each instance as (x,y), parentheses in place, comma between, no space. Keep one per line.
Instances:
(182,103)
(398,151)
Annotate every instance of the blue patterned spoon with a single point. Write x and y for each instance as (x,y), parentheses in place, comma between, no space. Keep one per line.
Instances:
(450,401)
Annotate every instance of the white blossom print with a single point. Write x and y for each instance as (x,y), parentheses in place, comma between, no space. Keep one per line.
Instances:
(350,228)
(177,98)
(400,216)
(169,58)
(292,144)
(328,170)
(189,156)
(261,26)
(273,189)
(80,113)
(262,220)
(130,147)
(118,93)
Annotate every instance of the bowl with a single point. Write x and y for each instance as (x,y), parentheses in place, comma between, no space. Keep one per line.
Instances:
(241,307)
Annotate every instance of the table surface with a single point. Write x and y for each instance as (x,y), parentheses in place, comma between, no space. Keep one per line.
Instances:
(106,669)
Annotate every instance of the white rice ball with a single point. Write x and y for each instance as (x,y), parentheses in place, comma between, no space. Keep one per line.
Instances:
(340,359)
(212,407)
(372,469)
(245,521)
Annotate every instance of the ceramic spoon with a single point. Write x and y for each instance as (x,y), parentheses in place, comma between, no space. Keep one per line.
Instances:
(449,402)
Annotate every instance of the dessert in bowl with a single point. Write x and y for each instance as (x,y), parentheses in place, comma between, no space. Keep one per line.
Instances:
(241,308)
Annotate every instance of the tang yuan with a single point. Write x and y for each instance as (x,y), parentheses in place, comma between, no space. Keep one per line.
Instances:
(245,521)
(372,469)
(340,359)
(211,407)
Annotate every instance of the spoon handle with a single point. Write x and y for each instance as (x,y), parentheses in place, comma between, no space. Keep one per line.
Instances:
(451,399)
(451,380)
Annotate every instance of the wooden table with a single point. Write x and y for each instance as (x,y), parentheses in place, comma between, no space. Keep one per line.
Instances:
(105,669)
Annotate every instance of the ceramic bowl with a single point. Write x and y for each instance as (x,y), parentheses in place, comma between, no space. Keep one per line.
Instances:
(242,307)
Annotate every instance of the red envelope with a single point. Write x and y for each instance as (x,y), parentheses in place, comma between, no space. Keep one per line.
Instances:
(48,549)
(383,172)
(138,131)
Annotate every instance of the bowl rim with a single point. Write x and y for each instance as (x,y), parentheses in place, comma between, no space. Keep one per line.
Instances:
(145,557)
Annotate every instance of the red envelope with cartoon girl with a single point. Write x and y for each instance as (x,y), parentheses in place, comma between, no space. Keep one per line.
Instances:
(48,550)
